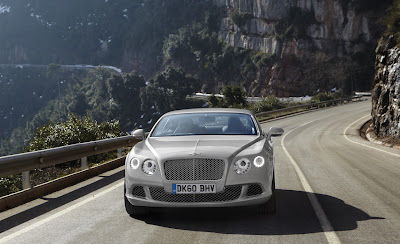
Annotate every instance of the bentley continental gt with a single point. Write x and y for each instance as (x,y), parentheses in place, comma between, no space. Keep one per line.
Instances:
(209,157)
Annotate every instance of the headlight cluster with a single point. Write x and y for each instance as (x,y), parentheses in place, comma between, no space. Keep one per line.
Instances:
(148,167)
(243,165)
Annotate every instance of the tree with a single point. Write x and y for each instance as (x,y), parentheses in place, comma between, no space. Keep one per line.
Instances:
(78,104)
(54,71)
(168,90)
(125,92)
(234,97)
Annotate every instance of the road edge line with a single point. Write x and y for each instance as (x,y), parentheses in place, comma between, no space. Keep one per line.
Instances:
(326,225)
(362,144)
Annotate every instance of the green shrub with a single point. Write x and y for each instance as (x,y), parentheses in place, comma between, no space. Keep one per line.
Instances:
(214,101)
(10,184)
(267,104)
(392,20)
(323,96)
(74,130)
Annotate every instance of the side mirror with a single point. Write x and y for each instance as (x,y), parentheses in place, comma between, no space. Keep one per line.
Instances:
(139,134)
(274,131)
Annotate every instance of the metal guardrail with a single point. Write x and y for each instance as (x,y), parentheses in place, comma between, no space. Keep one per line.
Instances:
(368,94)
(24,162)
(307,106)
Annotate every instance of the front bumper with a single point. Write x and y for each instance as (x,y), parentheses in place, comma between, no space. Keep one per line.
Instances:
(232,189)
(231,196)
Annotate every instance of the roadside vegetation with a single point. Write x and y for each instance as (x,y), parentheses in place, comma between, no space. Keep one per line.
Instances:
(74,130)
(235,97)
(392,21)
(104,95)
(325,96)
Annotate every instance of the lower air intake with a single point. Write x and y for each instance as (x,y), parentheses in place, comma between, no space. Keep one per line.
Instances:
(230,193)
(138,191)
(254,190)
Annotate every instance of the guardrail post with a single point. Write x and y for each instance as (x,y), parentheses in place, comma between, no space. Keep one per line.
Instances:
(119,152)
(84,164)
(26,180)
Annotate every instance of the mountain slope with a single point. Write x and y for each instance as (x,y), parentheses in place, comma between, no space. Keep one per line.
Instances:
(122,33)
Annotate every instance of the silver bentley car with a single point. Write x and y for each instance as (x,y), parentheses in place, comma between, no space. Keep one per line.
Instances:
(202,158)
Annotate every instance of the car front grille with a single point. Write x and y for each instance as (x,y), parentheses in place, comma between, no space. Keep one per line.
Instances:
(230,193)
(194,169)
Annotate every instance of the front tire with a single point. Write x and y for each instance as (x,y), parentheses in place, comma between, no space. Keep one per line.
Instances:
(133,210)
(270,206)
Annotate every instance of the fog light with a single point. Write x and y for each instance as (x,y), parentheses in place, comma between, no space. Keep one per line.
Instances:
(149,167)
(259,161)
(242,166)
(134,163)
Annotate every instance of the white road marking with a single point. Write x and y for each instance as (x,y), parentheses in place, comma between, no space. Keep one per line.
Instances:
(58,214)
(362,144)
(322,218)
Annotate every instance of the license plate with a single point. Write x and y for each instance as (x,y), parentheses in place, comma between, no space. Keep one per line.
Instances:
(193,188)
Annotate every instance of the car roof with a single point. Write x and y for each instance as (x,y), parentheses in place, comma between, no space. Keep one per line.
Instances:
(210,110)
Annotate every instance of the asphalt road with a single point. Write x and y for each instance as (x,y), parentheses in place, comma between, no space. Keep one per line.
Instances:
(333,187)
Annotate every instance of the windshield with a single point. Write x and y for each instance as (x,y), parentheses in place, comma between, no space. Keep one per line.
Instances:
(205,124)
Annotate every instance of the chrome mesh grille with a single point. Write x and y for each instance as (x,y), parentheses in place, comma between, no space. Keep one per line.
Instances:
(254,190)
(194,169)
(230,193)
(138,191)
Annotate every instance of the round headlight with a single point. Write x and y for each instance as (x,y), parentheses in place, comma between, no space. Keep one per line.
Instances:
(134,163)
(259,161)
(149,167)
(242,166)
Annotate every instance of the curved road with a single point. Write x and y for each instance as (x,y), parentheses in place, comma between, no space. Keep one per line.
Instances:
(333,187)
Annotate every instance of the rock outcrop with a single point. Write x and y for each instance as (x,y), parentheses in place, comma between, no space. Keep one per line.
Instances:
(336,29)
(386,92)
(297,30)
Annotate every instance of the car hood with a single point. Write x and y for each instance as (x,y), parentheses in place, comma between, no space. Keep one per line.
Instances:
(177,147)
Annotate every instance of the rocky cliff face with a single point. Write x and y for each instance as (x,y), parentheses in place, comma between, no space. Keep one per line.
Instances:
(336,30)
(386,92)
(297,31)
